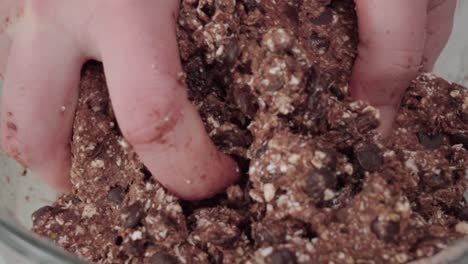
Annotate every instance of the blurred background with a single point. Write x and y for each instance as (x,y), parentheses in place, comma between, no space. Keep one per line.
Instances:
(453,63)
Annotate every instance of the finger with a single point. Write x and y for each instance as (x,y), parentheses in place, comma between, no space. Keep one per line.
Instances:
(391,42)
(10,12)
(38,102)
(5,43)
(141,61)
(439,28)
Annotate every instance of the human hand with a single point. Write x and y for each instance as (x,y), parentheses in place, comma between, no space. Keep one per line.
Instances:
(397,38)
(136,40)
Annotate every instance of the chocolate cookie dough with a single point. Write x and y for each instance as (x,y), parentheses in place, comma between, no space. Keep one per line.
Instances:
(319,185)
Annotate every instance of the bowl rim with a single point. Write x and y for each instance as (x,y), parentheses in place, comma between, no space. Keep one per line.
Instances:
(42,250)
(33,247)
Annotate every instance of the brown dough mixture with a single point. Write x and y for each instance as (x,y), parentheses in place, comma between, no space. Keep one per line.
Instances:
(319,185)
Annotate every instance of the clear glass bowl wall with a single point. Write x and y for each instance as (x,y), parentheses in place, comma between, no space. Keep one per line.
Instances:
(21,193)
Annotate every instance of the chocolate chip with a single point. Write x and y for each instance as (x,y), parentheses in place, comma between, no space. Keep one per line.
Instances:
(231,52)
(132,215)
(366,121)
(57,211)
(386,231)
(75,200)
(246,101)
(313,89)
(341,6)
(250,5)
(369,157)
(317,181)
(162,258)
(436,181)
(135,247)
(459,138)
(319,42)
(337,92)
(208,9)
(463,213)
(242,163)
(283,256)
(96,151)
(232,138)
(325,18)
(324,2)
(118,240)
(464,116)
(199,81)
(216,257)
(291,10)
(257,211)
(214,106)
(146,173)
(311,81)
(39,213)
(116,195)
(430,141)
(170,222)
(224,239)
(312,102)
(411,102)
(239,119)
(257,153)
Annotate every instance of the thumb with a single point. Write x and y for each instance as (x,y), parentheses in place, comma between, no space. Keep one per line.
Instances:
(391,45)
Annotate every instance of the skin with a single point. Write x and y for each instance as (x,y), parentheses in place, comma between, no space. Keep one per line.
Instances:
(43,45)
(397,39)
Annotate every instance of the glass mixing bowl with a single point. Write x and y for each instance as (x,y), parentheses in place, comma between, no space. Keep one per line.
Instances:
(21,193)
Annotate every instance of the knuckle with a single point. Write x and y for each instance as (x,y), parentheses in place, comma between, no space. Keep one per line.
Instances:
(406,60)
(152,125)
